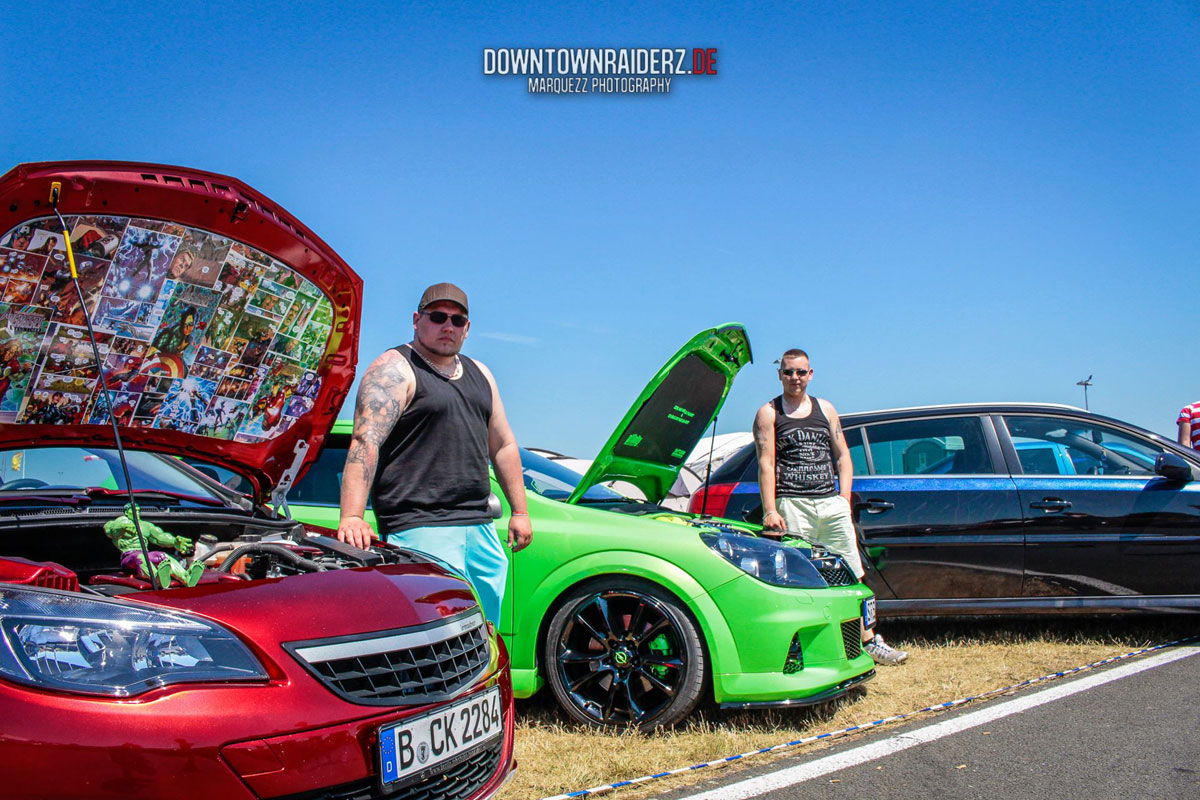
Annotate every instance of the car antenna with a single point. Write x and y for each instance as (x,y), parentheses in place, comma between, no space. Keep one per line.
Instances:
(708,467)
(55,192)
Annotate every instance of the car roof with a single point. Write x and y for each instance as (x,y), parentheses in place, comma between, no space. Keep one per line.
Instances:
(962,408)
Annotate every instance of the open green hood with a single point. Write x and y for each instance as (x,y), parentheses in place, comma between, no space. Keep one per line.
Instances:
(671,414)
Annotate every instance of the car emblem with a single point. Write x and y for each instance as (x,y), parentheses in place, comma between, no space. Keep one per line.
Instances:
(622,658)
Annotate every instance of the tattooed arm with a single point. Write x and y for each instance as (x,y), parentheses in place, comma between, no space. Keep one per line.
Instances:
(385,391)
(764,443)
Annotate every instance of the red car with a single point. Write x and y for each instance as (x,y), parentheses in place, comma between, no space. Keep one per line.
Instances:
(225,651)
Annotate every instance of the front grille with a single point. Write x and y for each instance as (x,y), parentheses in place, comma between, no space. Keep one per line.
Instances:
(454,783)
(401,667)
(852,638)
(838,576)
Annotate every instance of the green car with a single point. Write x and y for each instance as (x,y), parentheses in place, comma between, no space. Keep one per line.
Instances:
(632,613)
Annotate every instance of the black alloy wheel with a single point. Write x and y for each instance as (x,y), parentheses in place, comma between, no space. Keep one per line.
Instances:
(622,653)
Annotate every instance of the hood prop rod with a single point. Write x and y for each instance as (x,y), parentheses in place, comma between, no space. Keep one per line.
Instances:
(55,191)
(712,443)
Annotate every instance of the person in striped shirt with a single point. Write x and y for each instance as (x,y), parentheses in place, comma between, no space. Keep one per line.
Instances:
(1189,425)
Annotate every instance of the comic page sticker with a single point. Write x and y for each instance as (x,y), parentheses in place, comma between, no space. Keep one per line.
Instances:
(266,418)
(140,265)
(186,312)
(67,350)
(223,417)
(187,399)
(19,292)
(22,330)
(124,402)
(16,265)
(57,289)
(235,389)
(123,373)
(251,339)
(271,300)
(57,400)
(97,237)
(199,258)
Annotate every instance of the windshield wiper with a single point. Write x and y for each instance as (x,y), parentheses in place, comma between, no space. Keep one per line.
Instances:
(153,494)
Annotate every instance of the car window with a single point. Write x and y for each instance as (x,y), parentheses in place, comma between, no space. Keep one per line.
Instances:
(556,482)
(941,446)
(858,451)
(92,467)
(322,483)
(1063,446)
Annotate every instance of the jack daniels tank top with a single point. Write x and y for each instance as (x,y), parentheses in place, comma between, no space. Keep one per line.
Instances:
(803,453)
(433,466)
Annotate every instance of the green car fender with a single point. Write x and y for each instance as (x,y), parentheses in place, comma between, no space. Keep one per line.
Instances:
(538,607)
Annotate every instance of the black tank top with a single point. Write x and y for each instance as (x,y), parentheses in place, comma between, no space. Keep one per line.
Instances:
(433,466)
(803,456)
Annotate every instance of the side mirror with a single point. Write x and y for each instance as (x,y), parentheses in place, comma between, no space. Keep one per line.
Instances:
(1172,467)
(494,507)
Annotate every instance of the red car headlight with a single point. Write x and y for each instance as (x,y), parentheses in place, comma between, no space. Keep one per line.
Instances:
(65,641)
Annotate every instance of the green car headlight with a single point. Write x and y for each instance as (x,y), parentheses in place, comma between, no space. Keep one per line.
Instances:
(768,561)
(67,642)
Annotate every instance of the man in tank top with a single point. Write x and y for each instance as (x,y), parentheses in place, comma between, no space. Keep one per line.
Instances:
(426,422)
(800,442)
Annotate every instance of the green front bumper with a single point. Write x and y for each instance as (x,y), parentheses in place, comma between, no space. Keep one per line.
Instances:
(823,623)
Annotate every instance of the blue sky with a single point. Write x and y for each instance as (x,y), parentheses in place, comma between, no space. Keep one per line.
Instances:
(941,202)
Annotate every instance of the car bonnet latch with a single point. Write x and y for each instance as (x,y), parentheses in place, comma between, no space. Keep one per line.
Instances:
(279,493)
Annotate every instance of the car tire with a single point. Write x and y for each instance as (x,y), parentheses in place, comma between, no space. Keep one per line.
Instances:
(623,652)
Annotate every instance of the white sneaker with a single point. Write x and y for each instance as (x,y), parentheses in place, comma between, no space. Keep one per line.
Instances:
(883,653)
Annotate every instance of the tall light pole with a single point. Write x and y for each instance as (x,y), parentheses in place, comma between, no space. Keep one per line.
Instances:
(1085,383)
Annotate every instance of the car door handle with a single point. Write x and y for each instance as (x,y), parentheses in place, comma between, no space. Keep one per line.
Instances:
(1051,504)
(876,506)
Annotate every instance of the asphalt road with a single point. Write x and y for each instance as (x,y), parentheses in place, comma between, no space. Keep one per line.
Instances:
(1136,736)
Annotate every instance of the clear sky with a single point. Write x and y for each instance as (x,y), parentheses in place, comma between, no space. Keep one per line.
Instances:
(941,202)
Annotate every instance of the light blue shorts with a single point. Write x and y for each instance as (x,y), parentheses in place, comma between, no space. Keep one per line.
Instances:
(473,551)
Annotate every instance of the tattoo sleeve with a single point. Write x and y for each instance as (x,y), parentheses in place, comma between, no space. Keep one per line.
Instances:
(381,399)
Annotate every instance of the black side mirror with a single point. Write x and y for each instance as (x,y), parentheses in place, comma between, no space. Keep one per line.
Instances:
(1172,467)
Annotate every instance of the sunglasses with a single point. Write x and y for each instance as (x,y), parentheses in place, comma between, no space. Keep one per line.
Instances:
(800,373)
(440,317)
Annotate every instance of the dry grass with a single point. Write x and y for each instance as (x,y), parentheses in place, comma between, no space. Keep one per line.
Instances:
(947,661)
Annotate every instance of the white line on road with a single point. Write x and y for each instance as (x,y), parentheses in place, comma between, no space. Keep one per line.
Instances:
(753,787)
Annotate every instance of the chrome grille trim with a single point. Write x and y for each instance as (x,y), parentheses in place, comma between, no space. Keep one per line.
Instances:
(384,644)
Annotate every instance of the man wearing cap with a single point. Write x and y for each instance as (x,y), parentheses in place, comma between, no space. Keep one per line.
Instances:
(426,421)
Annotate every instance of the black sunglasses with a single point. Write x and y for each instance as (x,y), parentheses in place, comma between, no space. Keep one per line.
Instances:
(440,317)
(798,372)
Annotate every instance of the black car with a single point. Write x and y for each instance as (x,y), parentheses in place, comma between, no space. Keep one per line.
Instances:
(1009,508)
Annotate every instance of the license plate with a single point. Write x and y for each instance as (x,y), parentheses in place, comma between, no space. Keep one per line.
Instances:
(868,613)
(412,746)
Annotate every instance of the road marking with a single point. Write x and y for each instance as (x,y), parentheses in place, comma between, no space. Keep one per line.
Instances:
(753,787)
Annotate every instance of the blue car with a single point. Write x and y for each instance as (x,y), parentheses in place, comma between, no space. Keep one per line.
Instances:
(1009,508)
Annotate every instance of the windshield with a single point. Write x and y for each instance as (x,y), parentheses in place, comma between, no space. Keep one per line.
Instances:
(556,482)
(56,469)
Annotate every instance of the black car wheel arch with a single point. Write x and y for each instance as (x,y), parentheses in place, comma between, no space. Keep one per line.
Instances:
(623,652)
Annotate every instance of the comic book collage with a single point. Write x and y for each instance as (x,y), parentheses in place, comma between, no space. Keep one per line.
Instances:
(196,333)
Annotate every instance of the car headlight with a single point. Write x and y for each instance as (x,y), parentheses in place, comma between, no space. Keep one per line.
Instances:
(768,561)
(65,641)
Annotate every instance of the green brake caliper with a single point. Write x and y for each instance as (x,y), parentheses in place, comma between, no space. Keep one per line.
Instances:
(660,646)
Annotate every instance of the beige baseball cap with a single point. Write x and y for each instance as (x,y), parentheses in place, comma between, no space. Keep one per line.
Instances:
(444,291)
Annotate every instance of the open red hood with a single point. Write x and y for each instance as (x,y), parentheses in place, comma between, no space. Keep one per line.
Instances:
(227,329)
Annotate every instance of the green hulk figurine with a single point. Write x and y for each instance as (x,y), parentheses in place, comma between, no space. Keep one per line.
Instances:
(165,566)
